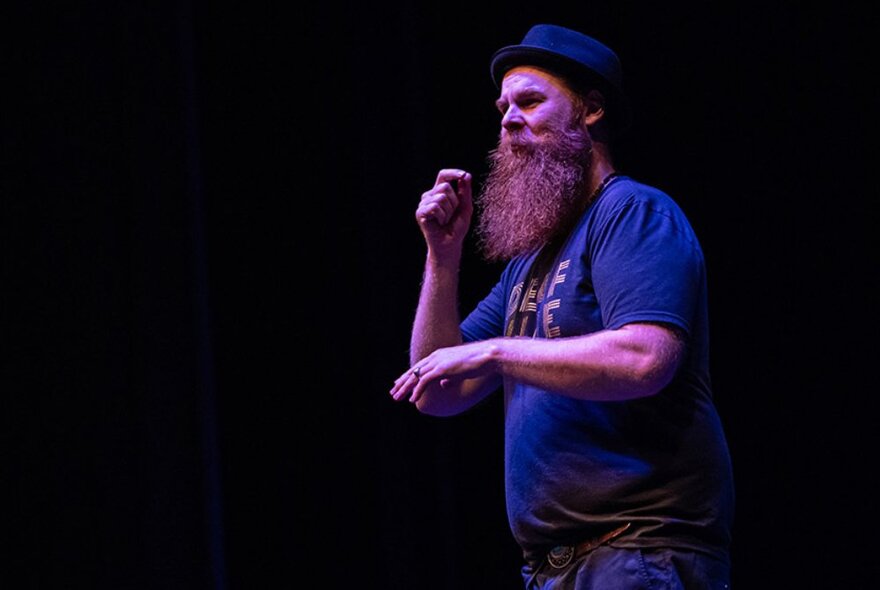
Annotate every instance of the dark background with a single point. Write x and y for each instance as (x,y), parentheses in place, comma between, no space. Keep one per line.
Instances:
(211,267)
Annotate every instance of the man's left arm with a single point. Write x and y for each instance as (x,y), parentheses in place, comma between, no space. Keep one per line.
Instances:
(633,361)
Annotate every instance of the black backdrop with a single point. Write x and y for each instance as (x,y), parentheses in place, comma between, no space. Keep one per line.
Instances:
(211,266)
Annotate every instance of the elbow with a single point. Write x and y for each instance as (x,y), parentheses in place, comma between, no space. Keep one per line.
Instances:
(652,375)
(445,399)
(654,360)
(647,386)
(435,402)
(650,357)
(434,409)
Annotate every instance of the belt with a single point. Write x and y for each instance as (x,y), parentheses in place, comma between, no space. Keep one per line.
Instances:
(562,555)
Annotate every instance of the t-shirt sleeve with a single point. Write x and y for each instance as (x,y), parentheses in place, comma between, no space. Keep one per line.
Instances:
(647,266)
(487,318)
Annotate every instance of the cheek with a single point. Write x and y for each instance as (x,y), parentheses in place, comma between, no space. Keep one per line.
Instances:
(551,124)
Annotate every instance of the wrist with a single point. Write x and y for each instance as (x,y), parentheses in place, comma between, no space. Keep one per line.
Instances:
(494,353)
(447,260)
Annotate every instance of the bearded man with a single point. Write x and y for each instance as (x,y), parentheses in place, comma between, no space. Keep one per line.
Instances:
(617,471)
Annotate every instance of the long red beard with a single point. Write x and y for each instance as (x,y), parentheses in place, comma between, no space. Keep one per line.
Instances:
(533,192)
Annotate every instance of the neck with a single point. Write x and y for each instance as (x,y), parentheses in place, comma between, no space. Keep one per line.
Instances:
(600,168)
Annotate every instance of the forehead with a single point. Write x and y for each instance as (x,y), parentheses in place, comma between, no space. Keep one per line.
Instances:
(534,78)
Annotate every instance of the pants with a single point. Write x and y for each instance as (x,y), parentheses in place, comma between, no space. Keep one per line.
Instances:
(607,568)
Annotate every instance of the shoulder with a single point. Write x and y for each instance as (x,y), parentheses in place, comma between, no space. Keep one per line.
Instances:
(628,192)
(626,198)
(635,215)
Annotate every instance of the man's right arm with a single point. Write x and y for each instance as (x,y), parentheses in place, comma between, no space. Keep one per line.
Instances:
(444,216)
(436,324)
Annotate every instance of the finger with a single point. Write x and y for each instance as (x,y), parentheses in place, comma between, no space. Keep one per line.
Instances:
(448,190)
(398,390)
(449,175)
(462,206)
(425,376)
(416,393)
(464,195)
(407,382)
(402,379)
(439,206)
(397,384)
(433,210)
(401,391)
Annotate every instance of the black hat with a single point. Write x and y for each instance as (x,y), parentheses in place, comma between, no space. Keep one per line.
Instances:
(582,60)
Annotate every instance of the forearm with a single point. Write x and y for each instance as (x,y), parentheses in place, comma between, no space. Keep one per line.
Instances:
(436,328)
(437,319)
(635,361)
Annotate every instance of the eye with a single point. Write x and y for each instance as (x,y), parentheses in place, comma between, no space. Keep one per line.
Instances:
(529,102)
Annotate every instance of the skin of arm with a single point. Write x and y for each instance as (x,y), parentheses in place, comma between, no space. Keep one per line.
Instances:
(634,361)
(436,329)
(448,377)
(444,215)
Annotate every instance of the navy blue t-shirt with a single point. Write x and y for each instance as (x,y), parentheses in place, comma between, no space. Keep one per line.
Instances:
(575,469)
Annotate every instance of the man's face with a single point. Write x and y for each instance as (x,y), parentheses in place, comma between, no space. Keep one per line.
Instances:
(535,188)
(533,104)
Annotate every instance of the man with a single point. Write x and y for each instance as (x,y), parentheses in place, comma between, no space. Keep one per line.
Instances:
(617,471)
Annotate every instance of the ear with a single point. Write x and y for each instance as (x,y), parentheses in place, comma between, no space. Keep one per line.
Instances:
(595,107)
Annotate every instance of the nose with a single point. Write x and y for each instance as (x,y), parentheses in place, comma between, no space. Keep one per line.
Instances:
(512,119)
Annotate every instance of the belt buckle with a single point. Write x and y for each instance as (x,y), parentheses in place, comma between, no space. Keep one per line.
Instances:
(560,556)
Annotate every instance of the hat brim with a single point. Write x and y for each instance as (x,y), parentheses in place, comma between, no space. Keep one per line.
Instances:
(575,73)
